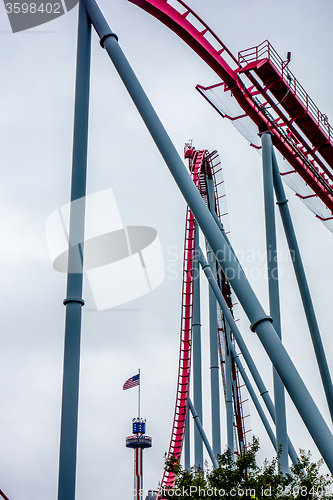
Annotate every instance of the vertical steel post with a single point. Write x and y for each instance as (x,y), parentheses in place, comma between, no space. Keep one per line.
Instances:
(202,432)
(273,289)
(253,396)
(260,322)
(243,348)
(228,383)
(196,346)
(187,443)
(213,341)
(303,286)
(74,301)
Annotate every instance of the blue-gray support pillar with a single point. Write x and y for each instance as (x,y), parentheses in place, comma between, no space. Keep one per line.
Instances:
(214,364)
(213,341)
(202,433)
(273,289)
(228,391)
(303,286)
(243,348)
(260,322)
(196,346)
(74,301)
(253,395)
(187,443)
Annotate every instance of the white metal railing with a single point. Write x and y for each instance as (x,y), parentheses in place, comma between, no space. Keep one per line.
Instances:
(266,50)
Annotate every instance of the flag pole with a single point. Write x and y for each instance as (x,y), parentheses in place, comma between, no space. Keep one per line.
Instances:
(139,393)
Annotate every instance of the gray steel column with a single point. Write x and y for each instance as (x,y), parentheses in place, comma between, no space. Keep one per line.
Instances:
(253,396)
(260,322)
(74,301)
(214,365)
(202,433)
(228,383)
(213,341)
(243,348)
(196,346)
(303,286)
(187,443)
(273,289)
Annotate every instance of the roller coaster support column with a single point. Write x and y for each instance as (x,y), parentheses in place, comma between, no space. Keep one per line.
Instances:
(74,301)
(303,285)
(214,355)
(196,346)
(202,433)
(187,443)
(228,383)
(260,322)
(245,352)
(253,395)
(274,298)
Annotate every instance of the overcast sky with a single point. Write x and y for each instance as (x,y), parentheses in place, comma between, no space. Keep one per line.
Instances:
(36,103)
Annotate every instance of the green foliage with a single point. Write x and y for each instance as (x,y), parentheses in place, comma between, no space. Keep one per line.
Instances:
(245,480)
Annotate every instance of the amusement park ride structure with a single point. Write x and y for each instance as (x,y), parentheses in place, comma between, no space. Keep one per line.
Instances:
(271,103)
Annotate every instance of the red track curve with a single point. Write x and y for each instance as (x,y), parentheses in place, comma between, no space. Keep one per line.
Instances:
(312,174)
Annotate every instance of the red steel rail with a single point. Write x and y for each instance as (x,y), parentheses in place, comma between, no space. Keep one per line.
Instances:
(275,73)
(202,164)
(212,50)
(239,424)
(183,385)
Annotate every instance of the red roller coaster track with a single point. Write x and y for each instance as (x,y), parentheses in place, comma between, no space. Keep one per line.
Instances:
(179,422)
(310,133)
(201,165)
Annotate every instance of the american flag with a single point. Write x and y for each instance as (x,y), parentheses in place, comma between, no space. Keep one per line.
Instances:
(132,382)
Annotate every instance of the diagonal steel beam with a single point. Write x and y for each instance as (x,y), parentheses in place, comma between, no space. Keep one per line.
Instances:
(202,433)
(243,348)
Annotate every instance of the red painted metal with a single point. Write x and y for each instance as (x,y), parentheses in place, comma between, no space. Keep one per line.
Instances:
(202,164)
(227,294)
(180,415)
(274,72)
(312,123)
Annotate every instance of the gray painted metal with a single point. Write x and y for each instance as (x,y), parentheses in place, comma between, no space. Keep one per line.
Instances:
(243,348)
(261,323)
(196,353)
(213,342)
(228,383)
(187,444)
(273,293)
(202,432)
(253,395)
(74,302)
(303,286)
